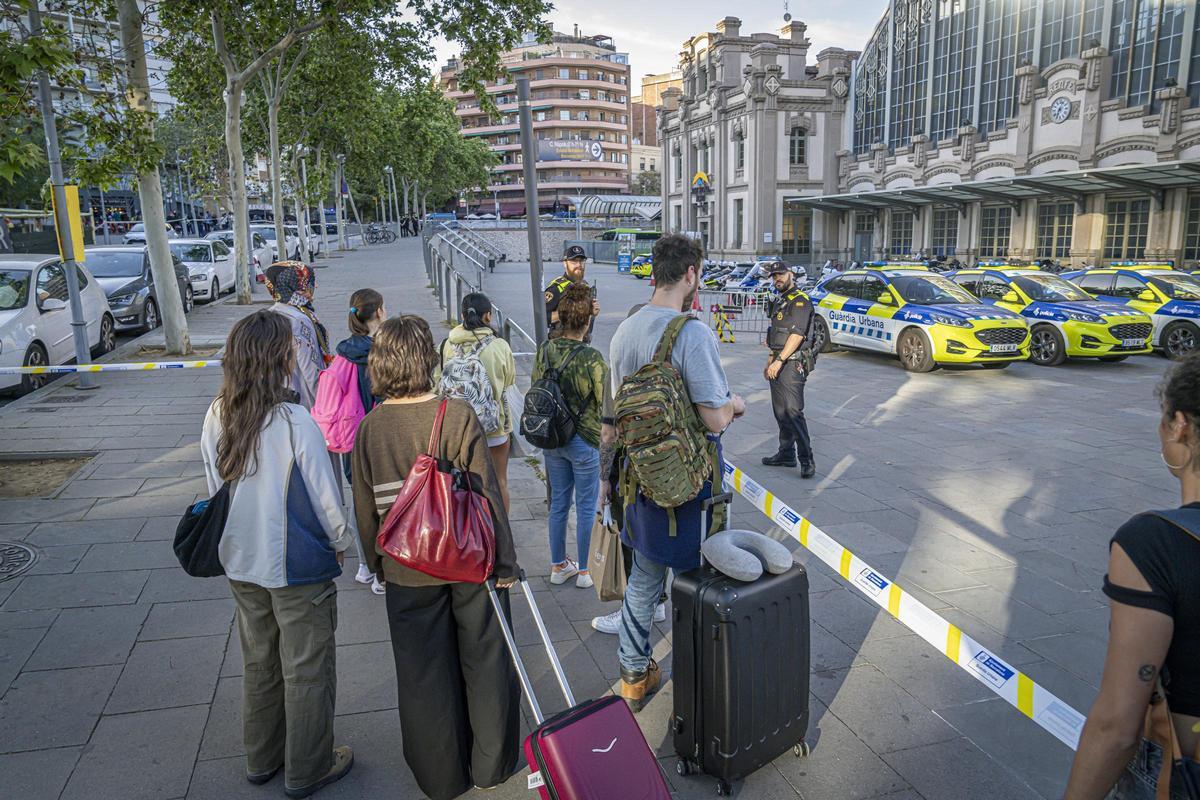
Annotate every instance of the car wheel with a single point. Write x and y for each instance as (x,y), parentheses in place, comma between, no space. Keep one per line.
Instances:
(35,356)
(108,336)
(916,354)
(1179,339)
(189,300)
(150,319)
(214,291)
(821,339)
(1046,346)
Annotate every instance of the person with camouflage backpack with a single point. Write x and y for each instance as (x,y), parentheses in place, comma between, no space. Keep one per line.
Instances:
(671,403)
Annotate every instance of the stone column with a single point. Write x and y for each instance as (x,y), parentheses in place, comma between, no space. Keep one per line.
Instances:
(1027,79)
(1087,233)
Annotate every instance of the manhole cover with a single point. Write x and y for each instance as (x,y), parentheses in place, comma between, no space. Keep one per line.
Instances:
(15,559)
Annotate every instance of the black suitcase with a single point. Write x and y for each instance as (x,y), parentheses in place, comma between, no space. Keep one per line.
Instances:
(740,670)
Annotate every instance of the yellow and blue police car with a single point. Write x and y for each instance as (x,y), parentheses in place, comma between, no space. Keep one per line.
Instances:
(1064,320)
(923,318)
(1170,298)
(642,267)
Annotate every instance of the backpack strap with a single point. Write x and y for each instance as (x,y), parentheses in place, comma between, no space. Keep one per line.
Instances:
(435,435)
(662,353)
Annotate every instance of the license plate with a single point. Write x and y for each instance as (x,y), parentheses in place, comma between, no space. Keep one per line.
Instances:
(1003,348)
(1133,343)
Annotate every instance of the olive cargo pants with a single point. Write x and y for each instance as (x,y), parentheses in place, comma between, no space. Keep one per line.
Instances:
(290,682)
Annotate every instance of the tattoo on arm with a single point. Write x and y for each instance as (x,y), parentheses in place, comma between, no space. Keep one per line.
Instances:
(608,452)
(1146,673)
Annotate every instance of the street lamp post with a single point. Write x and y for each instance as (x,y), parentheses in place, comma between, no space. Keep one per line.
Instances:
(337,194)
(532,223)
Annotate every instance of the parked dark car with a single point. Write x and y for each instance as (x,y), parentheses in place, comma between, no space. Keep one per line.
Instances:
(123,271)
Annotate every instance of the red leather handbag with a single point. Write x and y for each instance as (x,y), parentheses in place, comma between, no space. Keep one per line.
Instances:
(438,525)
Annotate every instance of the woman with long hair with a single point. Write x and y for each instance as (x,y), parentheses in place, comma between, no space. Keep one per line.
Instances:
(476,336)
(458,692)
(281,550)
(292,284)
(1153,658)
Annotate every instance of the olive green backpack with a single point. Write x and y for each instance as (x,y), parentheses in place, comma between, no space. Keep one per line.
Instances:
(668,456)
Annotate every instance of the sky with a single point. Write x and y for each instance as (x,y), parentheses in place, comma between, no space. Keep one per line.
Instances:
(652,32)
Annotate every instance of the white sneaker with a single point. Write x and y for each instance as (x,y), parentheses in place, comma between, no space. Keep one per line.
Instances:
(584,581)
(560,575)
(377,587)
(364,575)
(609,623)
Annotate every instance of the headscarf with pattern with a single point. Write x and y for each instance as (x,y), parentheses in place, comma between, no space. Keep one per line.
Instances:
(293,283)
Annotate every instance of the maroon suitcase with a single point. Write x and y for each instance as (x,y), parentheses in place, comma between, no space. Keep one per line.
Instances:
(592,751)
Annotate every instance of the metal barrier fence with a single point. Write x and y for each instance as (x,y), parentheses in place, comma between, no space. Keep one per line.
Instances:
(733,312)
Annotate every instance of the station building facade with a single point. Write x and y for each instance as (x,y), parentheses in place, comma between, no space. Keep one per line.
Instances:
(1067,130)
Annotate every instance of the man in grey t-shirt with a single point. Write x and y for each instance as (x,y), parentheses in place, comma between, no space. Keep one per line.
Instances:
(677,261)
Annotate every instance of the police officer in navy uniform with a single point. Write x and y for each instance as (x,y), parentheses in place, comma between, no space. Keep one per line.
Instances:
(787,370)
(574,265)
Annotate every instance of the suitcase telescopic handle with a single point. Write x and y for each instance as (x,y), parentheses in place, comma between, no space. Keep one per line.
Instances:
(511,641)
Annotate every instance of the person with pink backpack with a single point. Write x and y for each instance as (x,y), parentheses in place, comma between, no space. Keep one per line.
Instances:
(344,393)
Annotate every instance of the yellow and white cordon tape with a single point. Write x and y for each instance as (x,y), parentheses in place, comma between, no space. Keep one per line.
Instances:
(139,366)
(1055,716)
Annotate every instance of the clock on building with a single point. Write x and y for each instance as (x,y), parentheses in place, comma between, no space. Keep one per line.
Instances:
(1060,109)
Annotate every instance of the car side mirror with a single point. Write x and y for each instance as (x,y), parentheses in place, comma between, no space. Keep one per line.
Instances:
(222,257)
(52,304)
(885,299)
(1010,297)
(1146,296)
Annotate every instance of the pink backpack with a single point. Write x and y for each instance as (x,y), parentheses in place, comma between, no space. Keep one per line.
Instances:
(338,408)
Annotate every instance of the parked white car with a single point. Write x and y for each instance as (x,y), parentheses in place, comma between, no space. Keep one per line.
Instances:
(314,239)
(137,234)
(261,254)
(35,317)
(210,266)
(291,245)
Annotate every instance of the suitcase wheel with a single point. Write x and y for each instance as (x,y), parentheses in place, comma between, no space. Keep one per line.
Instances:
(723,788)
(683,767)
(802,750)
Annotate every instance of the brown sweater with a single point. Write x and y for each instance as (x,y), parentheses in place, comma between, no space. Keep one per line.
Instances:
(388,442)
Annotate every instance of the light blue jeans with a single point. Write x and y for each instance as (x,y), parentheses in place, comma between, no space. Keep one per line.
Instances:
(643,592)
(572,470)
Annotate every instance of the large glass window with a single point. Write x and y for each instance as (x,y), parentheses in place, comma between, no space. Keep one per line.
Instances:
(1055,224)
(1191,242)
(797,229)
(1194,73)
(870,90)
(995,229)
(1125,228)
(954,66)
(739,152)
(909,63)
(1146,43)
(901,233)
(1068,26)
(738,221)
(944,236)
(796,147)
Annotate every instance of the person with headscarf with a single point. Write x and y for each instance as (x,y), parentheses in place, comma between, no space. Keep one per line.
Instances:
(292,284)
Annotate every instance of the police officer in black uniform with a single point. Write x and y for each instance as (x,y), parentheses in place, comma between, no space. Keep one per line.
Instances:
(574,265)
(787,371)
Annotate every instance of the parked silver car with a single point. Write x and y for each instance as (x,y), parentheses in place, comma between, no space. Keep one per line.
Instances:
(123,271)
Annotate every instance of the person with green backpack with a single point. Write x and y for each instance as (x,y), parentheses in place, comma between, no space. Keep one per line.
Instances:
(671,403)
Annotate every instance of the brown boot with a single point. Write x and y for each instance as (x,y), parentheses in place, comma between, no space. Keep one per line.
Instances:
(637,687)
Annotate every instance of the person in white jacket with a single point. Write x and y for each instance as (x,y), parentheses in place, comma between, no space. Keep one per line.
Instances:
(281,549)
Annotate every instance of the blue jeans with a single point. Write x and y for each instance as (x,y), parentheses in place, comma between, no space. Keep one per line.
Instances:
(573,469)
(647,580)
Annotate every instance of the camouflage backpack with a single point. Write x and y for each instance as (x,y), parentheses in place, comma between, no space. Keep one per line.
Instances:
(669,458)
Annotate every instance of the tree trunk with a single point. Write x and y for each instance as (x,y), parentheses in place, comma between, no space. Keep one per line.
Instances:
(276,176)
(162,266)
(301,202)
(237,186)
(404,182)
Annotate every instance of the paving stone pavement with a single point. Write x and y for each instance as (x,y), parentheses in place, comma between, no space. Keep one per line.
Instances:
(989,495)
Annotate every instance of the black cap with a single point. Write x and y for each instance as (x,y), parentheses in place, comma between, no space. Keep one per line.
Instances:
(573,252)
(778,268)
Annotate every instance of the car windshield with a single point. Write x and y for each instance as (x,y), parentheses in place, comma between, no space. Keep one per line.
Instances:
(1177,287)
(14,288)
(931,290)
(115,264)
(1050,289)
(138,227)
(192,252)
(267,233)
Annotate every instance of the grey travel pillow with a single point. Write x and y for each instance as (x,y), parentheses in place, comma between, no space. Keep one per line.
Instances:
(742,555)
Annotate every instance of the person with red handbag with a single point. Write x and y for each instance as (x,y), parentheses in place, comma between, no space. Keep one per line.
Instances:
(433,528)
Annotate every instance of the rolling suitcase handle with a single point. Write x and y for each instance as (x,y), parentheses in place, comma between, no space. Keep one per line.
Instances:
(555,664)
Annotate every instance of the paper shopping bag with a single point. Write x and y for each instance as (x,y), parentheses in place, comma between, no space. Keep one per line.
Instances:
(607,566)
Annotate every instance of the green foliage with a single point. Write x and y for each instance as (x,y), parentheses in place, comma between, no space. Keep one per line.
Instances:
(649,183)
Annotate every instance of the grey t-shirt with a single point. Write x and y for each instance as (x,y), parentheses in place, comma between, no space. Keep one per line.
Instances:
(695,354)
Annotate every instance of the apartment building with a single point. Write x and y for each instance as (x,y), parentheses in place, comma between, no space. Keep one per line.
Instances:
(579,86)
